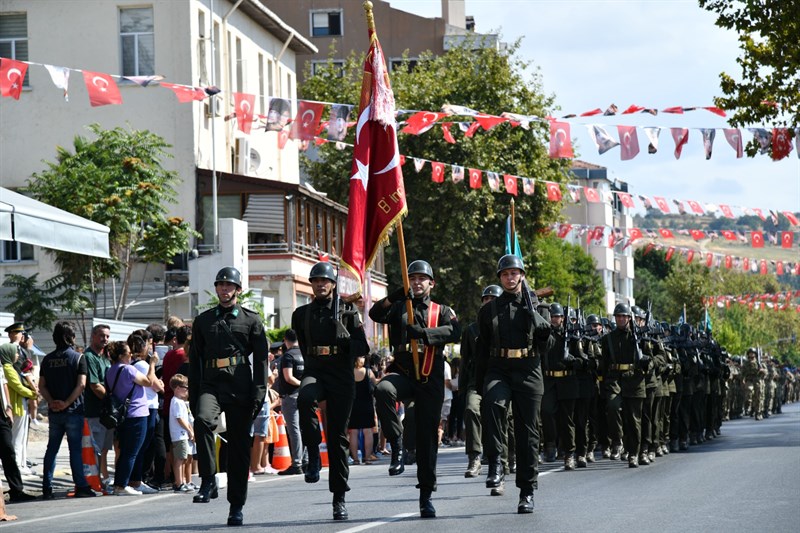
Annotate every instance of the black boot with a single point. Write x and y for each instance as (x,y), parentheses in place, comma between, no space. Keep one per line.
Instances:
(525,505)
(208,491)
(235,516)
(474,466)
(512,464)
(397,466)
(496,475)
(339,509)
(426,509)
(314,464)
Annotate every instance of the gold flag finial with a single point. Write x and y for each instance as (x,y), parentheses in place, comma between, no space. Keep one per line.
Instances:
(370,16)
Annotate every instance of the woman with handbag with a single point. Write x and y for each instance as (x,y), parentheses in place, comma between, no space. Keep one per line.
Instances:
(126,382)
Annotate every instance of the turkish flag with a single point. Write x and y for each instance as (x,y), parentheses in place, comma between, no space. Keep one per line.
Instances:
(475,176)
(244,112)
(560,141)
(728,234)
(186,93)
(763,266)
(781,143)
(488,122)
(626,199)
(666,233)
(758,212)
(102,89)
(472,129)
(377,199)
(681,137)
(689,256)
(670,251)
(745,264)
(306,122)
(437,172)
(283,138)
(629,142)
(757,239)
(553,191)
(596,234)
(728,261)
(662,204)
(792,219)
(634,234)
(510,183)
(591,194)
(709,259)
(734,138)
(786,239)
(563,230)
(12,74)
(421,122)
(726,210)
(448,135)
(779,268)
(697,234)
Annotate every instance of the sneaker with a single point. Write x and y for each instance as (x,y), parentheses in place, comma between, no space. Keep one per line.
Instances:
(185,489)
(191,485)
(127,491)
(144,488)
(84,492)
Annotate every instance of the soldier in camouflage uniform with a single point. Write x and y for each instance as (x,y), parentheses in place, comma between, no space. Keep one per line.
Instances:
(751,372)
(769,387)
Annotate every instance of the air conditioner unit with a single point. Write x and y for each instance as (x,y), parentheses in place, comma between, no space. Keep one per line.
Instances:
(214,107)
(242,157)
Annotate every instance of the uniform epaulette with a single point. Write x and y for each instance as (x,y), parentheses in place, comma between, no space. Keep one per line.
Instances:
(249,311)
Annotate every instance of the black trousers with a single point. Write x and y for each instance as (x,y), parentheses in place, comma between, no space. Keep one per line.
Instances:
(648,422)
(338,390)
(549,413)
(428,398)
(505,388)
(473,427)
(698,411)
(9,458)
(238,420)
(685,417)
(572,416)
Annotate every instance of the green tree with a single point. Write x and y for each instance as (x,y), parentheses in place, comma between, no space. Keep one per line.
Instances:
(769,88)
(117,180)
(458,230)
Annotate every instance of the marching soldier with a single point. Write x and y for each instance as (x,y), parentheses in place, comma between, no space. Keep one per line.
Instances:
(415,376)
(512,336)
(330,344)
(597,432)
(222,379)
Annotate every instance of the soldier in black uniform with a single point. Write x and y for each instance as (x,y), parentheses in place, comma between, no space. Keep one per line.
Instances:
(434,326)
(330,345)
(467,386)
(221,379)
(596,425)
(512,335)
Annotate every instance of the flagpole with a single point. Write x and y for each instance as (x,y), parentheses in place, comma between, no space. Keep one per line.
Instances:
(513,230)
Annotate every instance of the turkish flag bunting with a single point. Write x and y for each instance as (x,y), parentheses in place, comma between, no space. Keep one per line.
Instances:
(666,233)
(757,239)
(12,74)
(728,261)
(662,204)
(709,259)
(553,191)
(244,113)
(593,112)
(185,93)
(563,230)
(591,194)
(746,264)
(448,136)
(728,234)
(763,266)
(377,199)
(649,248)
(510,183)
(475,178)
(560,141)
(760,214)
(472,129)
(612,239)
(306,122)
(283,138)
(102,89)
(597,234)
(734,138)
(670,251)
(626,199)
(634,233)
(421,122)
(678,110)
(681,137)
(726,210)
(697,234)
(792,219)
(689,256)
(786,239)
(528,186)
(437,172)
(633,109)
(779,268)
(781,143)
(629,142)
(488,122)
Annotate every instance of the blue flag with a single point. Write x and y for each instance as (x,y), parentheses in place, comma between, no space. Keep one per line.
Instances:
(707,322)
(517,251)
(682,318)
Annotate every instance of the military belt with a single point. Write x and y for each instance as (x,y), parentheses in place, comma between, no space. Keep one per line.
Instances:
(513,353)
(224,362)
(622,368)
(558,373)
(324,350)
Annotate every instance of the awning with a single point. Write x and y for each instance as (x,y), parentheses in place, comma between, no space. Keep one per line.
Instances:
(264,213)
(27,220)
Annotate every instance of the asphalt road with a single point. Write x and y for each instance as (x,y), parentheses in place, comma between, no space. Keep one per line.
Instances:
(746,480)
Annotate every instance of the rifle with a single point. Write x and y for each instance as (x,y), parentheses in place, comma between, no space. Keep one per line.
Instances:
(567,331)
(637,352)
(341,331)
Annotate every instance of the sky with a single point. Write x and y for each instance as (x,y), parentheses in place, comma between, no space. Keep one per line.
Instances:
(653,53)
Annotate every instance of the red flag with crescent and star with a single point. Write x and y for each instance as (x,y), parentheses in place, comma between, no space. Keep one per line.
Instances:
(305,124)
(244,104)
(437,172)
(757,239)
(186,93)
(475,178)
(102,89)
(696,207)
(626,199)
(786,239)
(553,191)
(377,195)
(12,75)
(560,142)
(421,122)
(510,183)
(629,142)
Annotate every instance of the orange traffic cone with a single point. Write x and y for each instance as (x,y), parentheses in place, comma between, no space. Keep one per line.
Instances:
(90,471)
(323,445)
(281,457)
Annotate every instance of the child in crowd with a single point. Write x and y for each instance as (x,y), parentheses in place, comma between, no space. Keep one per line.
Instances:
(181,433)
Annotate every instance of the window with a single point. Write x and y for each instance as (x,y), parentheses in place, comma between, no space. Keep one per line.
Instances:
(14,38)
(318,67)
(13,251)
(326,23)
(137,41)
(406,64)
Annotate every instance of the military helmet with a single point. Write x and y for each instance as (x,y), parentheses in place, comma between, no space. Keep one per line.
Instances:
(638,312)
(752,350)
(556,309)
(593,320)
(420,267)
(571,314)
(324,270)
(492,290)
(623,309)
(229,274)
(510,261)
(685,329)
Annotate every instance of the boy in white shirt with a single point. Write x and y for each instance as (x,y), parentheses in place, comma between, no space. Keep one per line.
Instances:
(181,433)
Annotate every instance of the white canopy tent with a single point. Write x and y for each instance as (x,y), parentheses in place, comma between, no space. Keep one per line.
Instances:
(27,220)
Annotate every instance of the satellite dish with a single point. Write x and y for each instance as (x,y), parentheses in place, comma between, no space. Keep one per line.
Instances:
(255,160)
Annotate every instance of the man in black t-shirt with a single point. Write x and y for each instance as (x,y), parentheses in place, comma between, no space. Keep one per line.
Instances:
(290,372)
